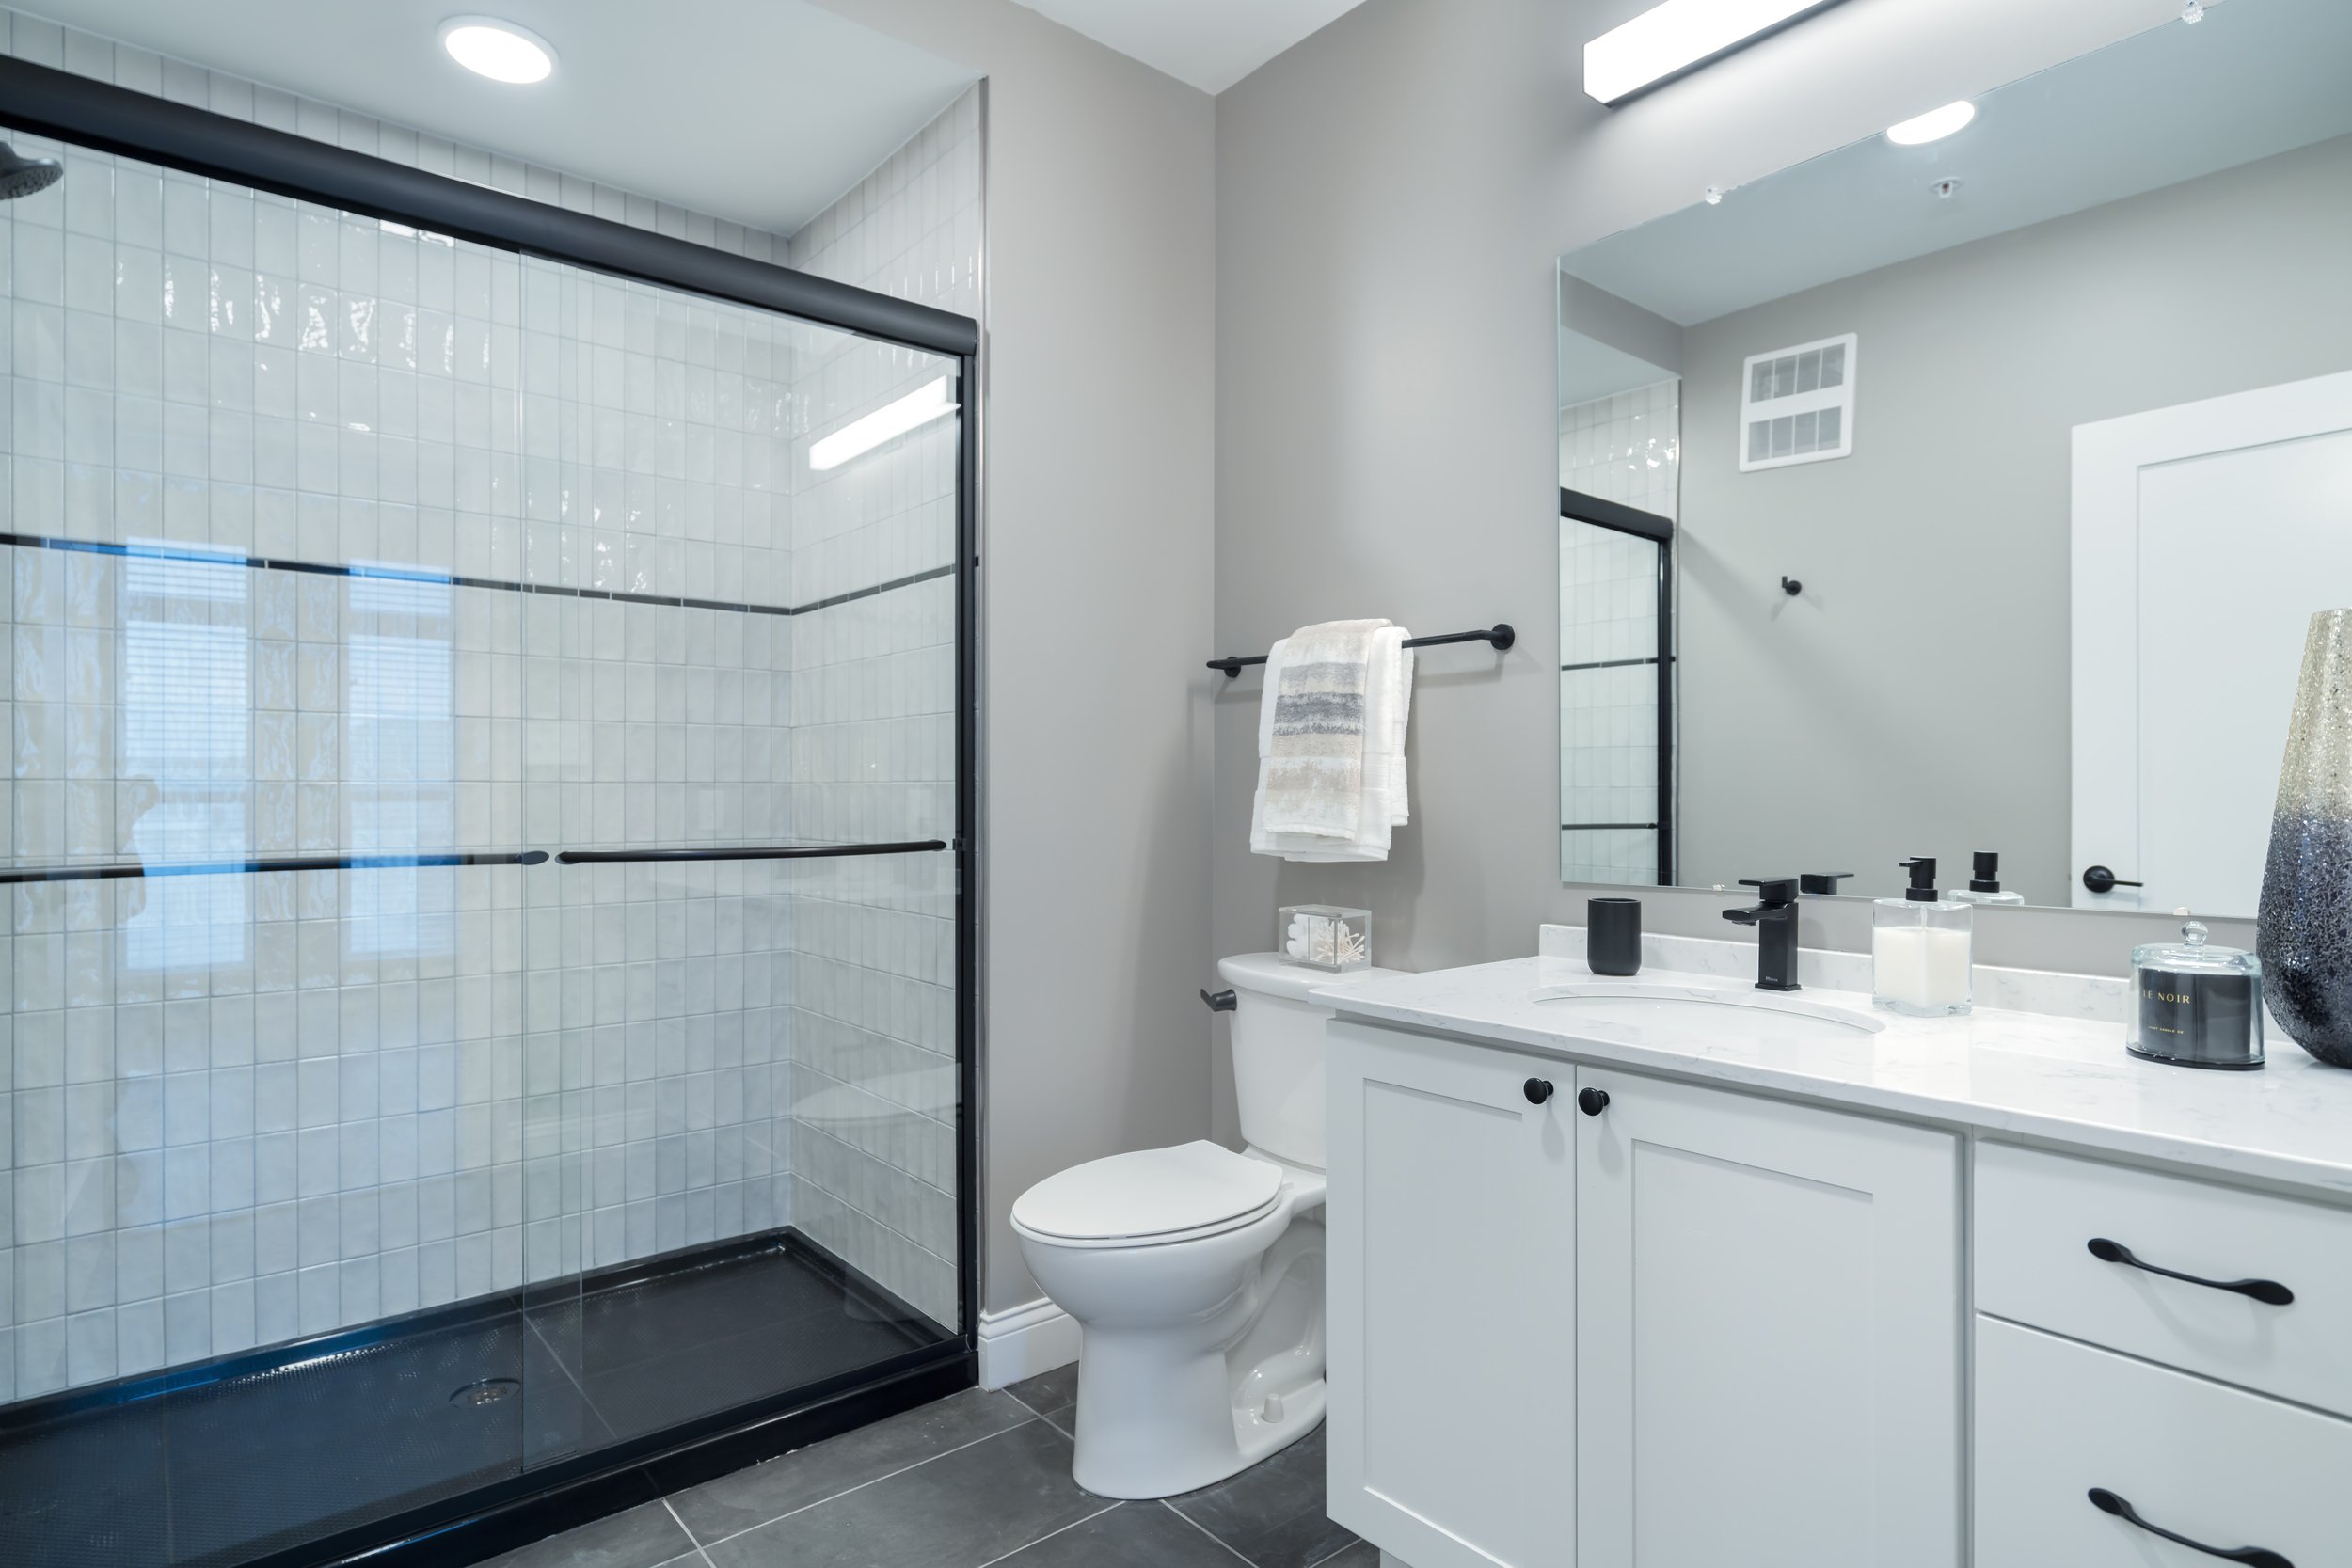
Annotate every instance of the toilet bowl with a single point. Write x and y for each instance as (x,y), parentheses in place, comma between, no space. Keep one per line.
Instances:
(1196,1273)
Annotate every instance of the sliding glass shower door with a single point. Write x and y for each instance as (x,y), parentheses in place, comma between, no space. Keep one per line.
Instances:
(742,731)
(1617,800)
(485,953)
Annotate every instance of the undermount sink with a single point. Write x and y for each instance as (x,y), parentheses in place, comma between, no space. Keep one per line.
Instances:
(1687,1010)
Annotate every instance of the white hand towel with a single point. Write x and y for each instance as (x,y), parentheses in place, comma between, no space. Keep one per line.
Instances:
(1389,690)
(1390,706)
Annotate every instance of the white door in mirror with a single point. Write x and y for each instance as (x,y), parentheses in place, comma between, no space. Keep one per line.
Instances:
(2204,537)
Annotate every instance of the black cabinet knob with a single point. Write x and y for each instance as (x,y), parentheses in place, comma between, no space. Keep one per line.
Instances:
(1592,1101)
(1537,1091)
(2098,879)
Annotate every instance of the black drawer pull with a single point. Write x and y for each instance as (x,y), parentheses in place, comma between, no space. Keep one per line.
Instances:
(2269,1291)
(1537,1091)
(2254,1557)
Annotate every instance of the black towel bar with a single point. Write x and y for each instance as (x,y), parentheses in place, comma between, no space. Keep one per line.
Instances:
(1500,636)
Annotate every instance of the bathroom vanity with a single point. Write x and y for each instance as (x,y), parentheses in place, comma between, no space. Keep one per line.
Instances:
(1766,1281)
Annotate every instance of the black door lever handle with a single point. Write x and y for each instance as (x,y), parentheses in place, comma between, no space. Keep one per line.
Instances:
(2267,1290)
(2098,879)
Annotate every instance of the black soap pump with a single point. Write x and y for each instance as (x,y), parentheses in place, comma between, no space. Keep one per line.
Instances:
(1984,887)
(1920,948)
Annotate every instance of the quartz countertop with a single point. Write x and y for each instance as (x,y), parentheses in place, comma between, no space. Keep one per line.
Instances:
(2045,1075)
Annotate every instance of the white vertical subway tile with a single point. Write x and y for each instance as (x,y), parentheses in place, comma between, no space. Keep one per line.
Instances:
(331,1098)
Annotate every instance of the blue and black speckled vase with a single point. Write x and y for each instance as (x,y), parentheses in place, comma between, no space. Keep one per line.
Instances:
(2304,933)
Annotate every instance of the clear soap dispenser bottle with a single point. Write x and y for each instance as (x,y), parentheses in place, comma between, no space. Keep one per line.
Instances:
(1984,887)
(1920,948)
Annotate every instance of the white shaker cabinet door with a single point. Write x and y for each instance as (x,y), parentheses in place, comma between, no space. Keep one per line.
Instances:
(1452,1273)
(1769,1323)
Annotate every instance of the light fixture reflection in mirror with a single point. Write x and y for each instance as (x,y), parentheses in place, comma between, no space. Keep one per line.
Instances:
(1932,126)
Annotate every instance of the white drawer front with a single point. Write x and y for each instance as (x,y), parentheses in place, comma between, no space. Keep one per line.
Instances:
(2221,1467)
(2037,1213)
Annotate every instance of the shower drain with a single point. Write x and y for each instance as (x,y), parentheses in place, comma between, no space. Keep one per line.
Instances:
(487,1390)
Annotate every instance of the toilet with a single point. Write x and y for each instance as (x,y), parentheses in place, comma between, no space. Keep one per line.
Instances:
(1196,1273)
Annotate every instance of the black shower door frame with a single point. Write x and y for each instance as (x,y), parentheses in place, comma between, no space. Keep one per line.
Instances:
(108,118)
(1577,507)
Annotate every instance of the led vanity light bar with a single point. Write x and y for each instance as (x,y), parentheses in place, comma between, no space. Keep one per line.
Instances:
(1681,35)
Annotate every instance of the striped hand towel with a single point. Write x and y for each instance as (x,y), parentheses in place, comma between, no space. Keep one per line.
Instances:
(1388,704)
(1311,773)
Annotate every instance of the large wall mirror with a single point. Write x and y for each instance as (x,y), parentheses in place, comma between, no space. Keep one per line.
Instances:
(1968,489)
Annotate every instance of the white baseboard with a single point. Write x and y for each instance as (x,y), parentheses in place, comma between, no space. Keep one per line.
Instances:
(1022,1341)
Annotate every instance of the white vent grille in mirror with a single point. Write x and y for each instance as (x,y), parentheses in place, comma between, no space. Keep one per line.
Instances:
(1796,404)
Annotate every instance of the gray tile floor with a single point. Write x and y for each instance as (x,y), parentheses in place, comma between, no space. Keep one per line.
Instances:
(976,1479)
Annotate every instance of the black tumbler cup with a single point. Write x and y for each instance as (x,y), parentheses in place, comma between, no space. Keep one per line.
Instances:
(1612,936)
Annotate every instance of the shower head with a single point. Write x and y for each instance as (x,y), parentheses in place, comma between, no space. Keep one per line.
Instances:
(21,176)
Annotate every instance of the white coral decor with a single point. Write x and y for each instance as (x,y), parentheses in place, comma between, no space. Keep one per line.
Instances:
(1330,944)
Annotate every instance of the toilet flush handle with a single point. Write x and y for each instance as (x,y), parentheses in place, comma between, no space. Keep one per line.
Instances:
(1220,1001)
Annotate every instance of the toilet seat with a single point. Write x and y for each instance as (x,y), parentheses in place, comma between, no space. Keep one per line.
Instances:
(1151,1197)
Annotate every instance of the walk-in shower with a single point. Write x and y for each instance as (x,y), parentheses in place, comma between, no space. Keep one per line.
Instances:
(489,989)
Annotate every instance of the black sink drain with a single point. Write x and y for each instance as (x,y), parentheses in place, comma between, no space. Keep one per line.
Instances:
(487,1390)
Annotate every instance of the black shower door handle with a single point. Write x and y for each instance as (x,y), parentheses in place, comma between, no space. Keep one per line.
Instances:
(2267,1290)
(2254,1557)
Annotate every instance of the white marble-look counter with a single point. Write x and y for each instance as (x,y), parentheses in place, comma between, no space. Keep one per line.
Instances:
(2058,1073)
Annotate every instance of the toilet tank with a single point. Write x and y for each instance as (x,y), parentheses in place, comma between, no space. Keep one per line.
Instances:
(1277,1052)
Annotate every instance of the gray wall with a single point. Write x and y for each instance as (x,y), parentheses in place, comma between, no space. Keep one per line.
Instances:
(1913,700)
(1391,196)
(1096,562)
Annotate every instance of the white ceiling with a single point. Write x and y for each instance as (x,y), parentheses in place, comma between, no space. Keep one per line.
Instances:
(1210,44)
(2256,77)
(758,111)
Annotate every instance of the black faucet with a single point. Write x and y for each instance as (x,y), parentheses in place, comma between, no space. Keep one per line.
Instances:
(1774,918)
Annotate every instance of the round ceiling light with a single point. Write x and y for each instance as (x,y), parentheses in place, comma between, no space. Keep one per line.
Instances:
(499,50)
(1932,126)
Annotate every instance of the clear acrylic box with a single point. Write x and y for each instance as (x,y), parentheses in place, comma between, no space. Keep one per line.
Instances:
(1324,936)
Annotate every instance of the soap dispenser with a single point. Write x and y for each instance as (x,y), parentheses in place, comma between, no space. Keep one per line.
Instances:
(1984,887)
(1919,948)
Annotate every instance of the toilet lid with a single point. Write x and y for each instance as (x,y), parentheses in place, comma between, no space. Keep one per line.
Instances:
(1152,1192)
